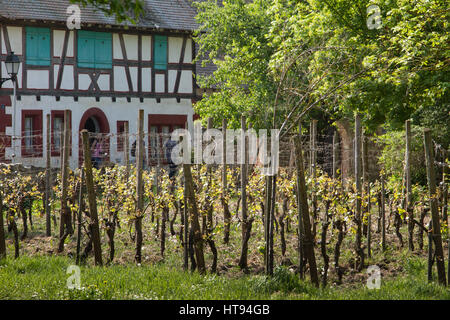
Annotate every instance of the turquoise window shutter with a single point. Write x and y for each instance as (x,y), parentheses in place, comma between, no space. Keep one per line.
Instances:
(103,53)
(94,50)
(38,46)
(160,59)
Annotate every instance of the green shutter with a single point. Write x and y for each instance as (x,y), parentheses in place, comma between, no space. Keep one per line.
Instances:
(94,50)
(103,53)
(160,58)
(38,46)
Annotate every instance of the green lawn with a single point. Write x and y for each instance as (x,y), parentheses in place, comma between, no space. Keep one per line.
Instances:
(44,277)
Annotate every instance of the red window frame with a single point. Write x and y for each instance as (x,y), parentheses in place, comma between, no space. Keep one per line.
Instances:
(160,120)
(120,138)
(5,121)
(59,114)
(37,151)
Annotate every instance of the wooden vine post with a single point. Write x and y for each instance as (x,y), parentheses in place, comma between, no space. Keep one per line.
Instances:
(409,208)
(126,148)
(2,231)
(185,213)
(308,243)
(313,172)
(226,209)
(383,215)
(246,224)
(301,231)
(194,218)
(139,186)
(209,220)
(65,226)
(80,211)
(92,199)
(48,227)
(358,214)
(335,154)
(436,225)
(366,186)
(267,222)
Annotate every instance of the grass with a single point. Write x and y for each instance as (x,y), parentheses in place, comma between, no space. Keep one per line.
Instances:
(40,273)
(45,277)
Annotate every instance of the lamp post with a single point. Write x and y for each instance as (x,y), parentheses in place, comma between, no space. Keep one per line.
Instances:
(12,63)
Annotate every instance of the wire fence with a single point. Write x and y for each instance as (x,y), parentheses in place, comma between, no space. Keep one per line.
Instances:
(107,149)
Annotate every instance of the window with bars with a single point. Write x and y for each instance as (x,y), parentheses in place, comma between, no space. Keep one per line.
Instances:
(121,135)
(32,133)
(57,130)
(159,134)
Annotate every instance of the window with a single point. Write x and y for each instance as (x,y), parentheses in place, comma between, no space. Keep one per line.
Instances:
(160,128)
(28,136)
(160,59)
(94,50)
(32,133)
(38,46)
(120,135)
(57,129)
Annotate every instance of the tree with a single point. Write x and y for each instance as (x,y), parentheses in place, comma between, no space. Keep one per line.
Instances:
(290,57)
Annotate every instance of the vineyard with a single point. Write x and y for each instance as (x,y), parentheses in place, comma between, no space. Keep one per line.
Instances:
(232,220)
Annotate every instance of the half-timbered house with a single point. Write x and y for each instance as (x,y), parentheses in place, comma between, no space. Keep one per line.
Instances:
(104,73)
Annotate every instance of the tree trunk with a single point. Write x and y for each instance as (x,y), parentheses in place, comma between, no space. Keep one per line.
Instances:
(308,240)
(2,231)
(436,230)
(92,200)
(194,219)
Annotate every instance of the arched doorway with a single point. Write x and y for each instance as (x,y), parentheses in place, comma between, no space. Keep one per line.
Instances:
(94,120)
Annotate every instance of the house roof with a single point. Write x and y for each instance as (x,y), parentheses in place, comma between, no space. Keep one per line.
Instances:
(158,14)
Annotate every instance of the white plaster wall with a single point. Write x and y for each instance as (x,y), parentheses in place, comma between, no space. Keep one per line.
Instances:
(103,82)
(131,46)
(174,46)
(134,78)
(120,79)
(117,50)
(172,79)
(38,79)
(159,83)
(185,82)
(188,52)
(67,77)
(70,45)
(84,81)
(146,79)
(2,41)
(15,39)
(58,42)
(146,48)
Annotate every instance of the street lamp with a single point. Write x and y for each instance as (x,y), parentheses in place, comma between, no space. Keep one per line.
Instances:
(12,63)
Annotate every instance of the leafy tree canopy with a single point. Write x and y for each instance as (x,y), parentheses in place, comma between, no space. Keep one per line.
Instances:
(290,57)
